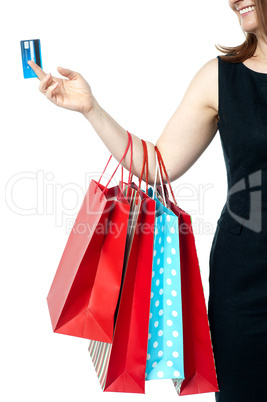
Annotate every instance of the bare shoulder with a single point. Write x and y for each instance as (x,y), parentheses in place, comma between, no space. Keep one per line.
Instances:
(204,85)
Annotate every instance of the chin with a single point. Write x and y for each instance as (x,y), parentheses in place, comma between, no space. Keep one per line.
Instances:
(250,28)
(249,25)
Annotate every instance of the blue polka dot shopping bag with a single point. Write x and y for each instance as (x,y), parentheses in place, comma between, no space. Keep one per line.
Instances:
(199,365)
(165,339)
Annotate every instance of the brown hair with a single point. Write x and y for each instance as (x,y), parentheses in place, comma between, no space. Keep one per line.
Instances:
(247,49)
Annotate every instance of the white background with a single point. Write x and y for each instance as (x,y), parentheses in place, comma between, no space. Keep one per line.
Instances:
(139,57)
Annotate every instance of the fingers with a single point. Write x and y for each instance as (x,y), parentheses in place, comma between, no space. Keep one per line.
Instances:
(50,91)
(45,82)
(63,71)
(38,71)
(47,86)
(68,73)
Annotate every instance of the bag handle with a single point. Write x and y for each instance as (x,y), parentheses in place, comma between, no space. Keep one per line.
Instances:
(158,167)
(145,167)
(130,143)
(162,166)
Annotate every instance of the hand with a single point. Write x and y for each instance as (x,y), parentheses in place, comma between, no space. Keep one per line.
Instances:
(73,93)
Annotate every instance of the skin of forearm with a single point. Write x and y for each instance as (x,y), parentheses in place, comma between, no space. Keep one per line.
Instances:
(115,138)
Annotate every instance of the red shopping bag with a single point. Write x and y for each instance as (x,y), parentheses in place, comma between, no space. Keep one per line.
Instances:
(120,366)
(85,290)
(200,373)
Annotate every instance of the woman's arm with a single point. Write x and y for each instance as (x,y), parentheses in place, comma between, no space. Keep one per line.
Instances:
(187,134)
(194,124)
(185,137)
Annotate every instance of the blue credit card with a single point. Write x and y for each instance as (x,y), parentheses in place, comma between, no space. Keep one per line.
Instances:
(30,50)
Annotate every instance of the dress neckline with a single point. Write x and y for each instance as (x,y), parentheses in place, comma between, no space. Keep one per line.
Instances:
(253,71)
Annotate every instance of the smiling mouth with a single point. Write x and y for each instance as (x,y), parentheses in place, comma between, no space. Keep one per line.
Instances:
(246,10)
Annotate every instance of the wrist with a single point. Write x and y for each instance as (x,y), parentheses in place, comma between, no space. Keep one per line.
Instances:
(94,107)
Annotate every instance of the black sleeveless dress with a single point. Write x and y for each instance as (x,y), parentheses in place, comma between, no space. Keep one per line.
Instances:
(237,305)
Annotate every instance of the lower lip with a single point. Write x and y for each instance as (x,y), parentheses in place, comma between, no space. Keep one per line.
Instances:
(249,12)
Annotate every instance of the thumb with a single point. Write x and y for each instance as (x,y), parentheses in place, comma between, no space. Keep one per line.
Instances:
(67,73)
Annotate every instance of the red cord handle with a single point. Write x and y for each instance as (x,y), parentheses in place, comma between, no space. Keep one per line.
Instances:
(145,166)
(162,166)
(130,168)
(130,143)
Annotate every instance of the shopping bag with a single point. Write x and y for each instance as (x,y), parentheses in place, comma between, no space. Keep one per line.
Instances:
(165,339)
(85,290)
(120,366)
(199,366)
(165,344)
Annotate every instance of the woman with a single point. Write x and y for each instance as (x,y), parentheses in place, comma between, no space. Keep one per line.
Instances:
(228,93)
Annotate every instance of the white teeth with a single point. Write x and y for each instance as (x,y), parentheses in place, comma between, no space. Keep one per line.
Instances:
(247,9)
